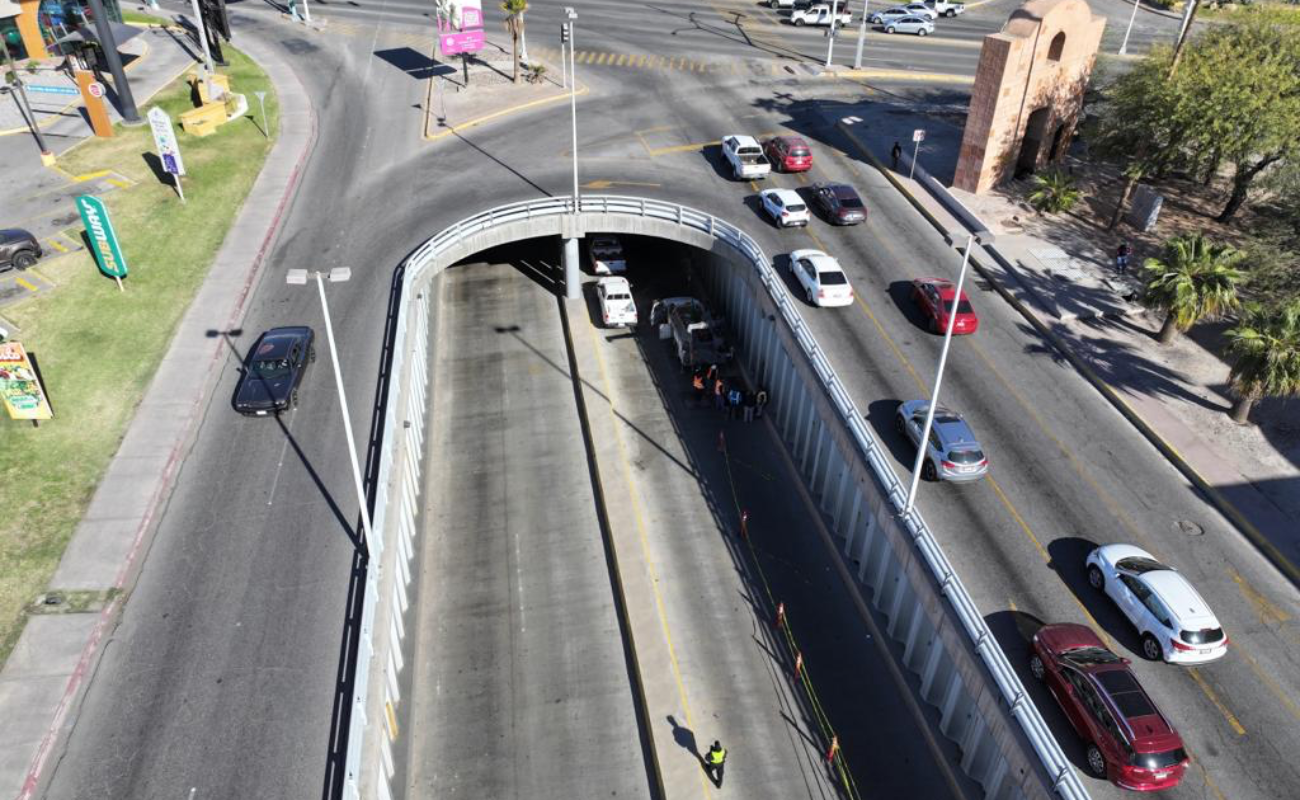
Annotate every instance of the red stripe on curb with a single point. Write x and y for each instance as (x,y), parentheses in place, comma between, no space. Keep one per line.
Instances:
(164,486)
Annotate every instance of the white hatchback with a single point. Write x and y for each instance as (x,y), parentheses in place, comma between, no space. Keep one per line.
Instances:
(823,282)
(1171,617)
(617,308)
(785,207)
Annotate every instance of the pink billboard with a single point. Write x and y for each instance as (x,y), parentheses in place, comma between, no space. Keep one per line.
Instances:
(462,30)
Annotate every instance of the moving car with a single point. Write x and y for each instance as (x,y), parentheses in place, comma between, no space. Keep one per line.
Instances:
(953,453)
(824,283)
(921,10)
(785,207)
(746,157)
(889,15)
(1128,741)
(840,203)
(606,254)
(1175,623)
(273,371)
(788,153)
(820,14)
(947,9)
(935,298)
(617,308)
(18,249)
(914,24)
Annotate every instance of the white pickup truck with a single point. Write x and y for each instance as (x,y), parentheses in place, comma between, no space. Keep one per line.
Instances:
(746,158)
(820,14)
(945,9)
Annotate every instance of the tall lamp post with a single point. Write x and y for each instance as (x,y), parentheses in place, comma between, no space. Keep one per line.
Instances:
(862,36)
(830,46)
(572,15)
(1123,48)
(9,10)
(921,448)
(299,277)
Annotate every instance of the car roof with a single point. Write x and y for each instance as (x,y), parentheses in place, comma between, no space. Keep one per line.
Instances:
(920,406)
(842,190)
(615,282)
(821,262)
(787,196)
(744,141)
(1113,553)
(276,342)
(791,141)
(947,290)
(1183,601)
(955,432)
(1148,730)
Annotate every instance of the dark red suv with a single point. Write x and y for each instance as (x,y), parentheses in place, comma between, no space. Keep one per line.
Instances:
(1129,741)
(788,153)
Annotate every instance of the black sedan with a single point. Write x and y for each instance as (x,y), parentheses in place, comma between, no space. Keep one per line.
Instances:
(840,203)
(274,370)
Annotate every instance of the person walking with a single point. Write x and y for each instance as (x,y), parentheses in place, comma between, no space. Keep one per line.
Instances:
(719,394)
(697,383)
(760,401)
(734,399)
(714,762)
(750,401)
(1122,256)
(895,153)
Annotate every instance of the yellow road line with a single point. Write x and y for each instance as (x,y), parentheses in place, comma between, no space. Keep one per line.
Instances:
(23,282)
(1214,787)
(1267,612)
(1214,698)
(56,245)
(1273,686)
(683,148)
(633,495)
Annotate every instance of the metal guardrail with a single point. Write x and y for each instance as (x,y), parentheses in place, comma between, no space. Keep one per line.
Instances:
(1064,780)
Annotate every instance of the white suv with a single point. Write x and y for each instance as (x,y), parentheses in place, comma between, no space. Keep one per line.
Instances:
(1174,622)
(785,207)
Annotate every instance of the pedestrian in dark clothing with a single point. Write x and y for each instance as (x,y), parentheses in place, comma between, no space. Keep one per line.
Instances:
(750,401)
(760,402)
(1121,257)
(714,762)
(697,383)
(734,398)
(719,395)
(895,153)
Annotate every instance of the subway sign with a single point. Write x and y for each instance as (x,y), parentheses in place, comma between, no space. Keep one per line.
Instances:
(103,241)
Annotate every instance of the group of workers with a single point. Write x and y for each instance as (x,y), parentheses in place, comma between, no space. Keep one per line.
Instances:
(733,399)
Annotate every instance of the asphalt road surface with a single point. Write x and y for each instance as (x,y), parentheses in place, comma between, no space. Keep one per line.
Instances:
(223,674)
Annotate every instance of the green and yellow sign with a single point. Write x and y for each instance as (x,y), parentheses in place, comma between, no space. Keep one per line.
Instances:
(20,389)
(103,241)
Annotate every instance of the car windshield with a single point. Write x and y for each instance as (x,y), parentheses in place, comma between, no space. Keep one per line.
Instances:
(832,278)
(1139,564)
(966,456)
(962,308)
(1092,655)
(1164,760)
(1128,696)
(271,368)
(799,152)
(944,418)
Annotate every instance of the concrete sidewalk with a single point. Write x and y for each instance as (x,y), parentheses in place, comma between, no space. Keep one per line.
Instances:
(44,679)
(1062,278)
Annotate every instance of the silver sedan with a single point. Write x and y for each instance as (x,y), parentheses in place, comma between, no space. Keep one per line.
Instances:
(953,454)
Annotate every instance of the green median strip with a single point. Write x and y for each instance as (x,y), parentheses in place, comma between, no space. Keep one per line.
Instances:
(98,348)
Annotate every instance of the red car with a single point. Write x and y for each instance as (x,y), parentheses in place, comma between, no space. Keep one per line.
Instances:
(788,153)
(1129,741)
(935,297)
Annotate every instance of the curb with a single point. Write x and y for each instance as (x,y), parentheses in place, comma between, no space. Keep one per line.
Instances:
(448,130)
(175,457)
(1171,454)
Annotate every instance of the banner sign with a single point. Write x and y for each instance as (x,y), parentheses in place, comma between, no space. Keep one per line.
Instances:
(19,386)
(164,138)
(94,215)
(462,30)
(46,89)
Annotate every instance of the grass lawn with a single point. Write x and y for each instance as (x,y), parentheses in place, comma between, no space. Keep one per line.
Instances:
(145,19)
(97,348)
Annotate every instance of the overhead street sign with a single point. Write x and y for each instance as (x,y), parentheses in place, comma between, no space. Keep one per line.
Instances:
(164,138)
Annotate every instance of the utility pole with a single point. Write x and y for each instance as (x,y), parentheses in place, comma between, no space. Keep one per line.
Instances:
(108,44)
(830,46)
(862,37)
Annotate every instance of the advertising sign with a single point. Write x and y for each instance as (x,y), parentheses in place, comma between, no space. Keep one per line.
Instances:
(19,386)
(918,135)
(461,31)
(103,241)
(164,138)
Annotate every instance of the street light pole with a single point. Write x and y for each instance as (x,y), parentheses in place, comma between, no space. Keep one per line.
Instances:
(1123,48)
(922,446)
(573,99)
(830,46)
(338,275)
(130,115)
(862,37)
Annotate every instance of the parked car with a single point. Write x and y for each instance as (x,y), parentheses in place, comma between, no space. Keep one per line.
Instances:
(18,249)
(913,24)
(922,10)
(786,208)
(1174,621)
(953,453)
(889,14)
(947,9)
(790,4)
(273,371)
(788,153)
(697,336)
(617,308)
(1128,741)
(820,14)
(840,203)
(746,157)
(935,297)
(606,253)
(824,283)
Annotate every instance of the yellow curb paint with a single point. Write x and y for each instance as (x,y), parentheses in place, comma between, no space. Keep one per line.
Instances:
(118,183)
(392,721)
(56,245)
(23,282)
(899,74)
(90,176)
(496,114)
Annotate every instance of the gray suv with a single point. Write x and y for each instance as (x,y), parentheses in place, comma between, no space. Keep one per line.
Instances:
(954,454)
(18,249)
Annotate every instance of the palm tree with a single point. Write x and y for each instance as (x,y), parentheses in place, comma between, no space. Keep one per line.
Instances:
(1053,193)
(1194,280)
(515,25)
(1266,343)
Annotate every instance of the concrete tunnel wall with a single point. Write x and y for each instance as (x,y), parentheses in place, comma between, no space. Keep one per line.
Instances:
(875,545)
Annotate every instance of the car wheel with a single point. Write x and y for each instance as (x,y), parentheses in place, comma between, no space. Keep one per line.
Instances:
(900,426)
(928,471)
(1151,648)
(890,29)
(1096,761)
(24,260)
(934,325)
(293,399)
(1037,669)
(808,294)
(920,32)
(798,23)
(1095,579)
(950,13)
(311,354)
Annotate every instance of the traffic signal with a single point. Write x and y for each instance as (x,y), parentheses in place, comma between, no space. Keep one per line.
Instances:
(564,33)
